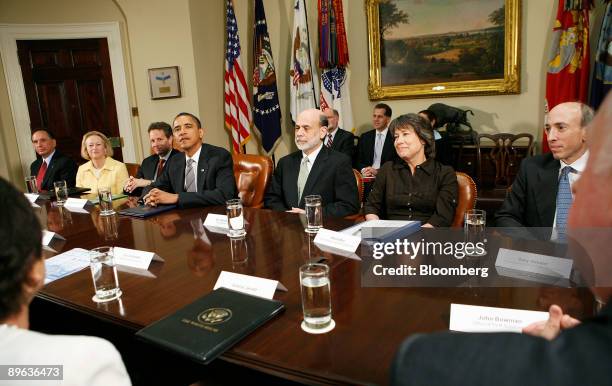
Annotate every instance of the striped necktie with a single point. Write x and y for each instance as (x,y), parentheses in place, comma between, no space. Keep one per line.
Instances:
(330,141)
(190,177)
(564,202)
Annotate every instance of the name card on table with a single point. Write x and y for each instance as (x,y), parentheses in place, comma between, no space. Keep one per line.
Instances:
(338,243)
(251,285)
(216,223)
(534,263)
(48,236)
(134,258)
(32,197)
(76,204)
(491,319)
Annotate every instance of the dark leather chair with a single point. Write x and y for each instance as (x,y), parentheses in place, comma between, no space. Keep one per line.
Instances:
(466,198)
(252,173)
(132,168)
(359,182)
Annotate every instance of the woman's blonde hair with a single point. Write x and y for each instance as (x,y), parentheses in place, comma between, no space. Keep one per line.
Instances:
(107,144)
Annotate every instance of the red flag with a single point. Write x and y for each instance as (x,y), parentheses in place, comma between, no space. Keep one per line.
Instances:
(567,78)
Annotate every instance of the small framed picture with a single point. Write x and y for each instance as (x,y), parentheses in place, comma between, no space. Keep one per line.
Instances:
(165,82)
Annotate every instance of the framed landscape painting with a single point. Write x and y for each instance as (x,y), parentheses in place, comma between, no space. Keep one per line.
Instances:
(428,48)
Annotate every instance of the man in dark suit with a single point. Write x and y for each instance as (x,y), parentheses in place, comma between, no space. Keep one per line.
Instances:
(376,146)
(203,175)
(160,135)
(541,186)
(50,165)
(313,169)
(338,139)
(559,351)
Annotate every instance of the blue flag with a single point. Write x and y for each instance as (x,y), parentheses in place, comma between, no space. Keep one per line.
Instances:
(602,71)
(266,109)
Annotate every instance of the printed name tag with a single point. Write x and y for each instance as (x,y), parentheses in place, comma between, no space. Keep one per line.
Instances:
(251,285)
(534,263)
(48,237)
(134,258)
(76,204)
(32,198)
(336,242)
(216,223)
(468,318)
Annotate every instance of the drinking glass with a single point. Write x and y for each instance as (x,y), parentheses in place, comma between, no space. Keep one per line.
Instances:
(475,227)
(235,218)
(316,296)
(314,213)
(105,199)
(31,184)
(104,274)
(61,192)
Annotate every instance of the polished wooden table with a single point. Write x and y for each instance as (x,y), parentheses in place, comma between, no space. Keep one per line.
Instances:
(370,322)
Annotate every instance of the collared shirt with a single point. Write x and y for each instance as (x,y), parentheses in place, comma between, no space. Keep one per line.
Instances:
(165,158)
(333,134)
(113,174)
(579,165)
(378,155)
(48,159)
(196,158)
(312,157)
(429,195)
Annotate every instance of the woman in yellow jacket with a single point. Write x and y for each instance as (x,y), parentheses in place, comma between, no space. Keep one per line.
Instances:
(101,170)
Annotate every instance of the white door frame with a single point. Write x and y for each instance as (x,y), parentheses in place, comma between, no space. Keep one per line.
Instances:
(10,33)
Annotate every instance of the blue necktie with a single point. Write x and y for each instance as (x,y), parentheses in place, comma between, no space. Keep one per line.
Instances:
(564,201)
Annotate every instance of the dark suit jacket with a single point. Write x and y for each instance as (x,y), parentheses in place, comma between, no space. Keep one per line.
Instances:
(578,356)
(147,169)
(365,150)
(61,168)
(344,142)
(216,183)
(532,201)
(331,176)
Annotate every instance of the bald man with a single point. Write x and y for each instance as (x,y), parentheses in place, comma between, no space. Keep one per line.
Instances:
(313,169)
(541,193)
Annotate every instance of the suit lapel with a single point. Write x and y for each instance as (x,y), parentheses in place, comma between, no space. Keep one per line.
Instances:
(177,175)
(546,191)
(292,171)
(203,167)
(315,171)
(388,149)
(50,167)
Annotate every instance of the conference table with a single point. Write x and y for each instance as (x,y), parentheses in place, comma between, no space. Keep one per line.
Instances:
(370,322)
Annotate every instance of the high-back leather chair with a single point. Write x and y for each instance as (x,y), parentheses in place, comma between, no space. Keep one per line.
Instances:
(466,198)
(359,182)
(252,173)
(132,168)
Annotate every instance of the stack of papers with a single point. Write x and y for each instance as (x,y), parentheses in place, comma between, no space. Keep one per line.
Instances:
(66,263)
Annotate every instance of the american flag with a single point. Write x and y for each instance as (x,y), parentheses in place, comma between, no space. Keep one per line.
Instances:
(237,106)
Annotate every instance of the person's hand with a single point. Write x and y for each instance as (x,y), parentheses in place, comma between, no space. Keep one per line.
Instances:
(427,225)
(133,183)
(296,210)
(156,197)
(132,202)
(550,329)
(371,217)
(369,172)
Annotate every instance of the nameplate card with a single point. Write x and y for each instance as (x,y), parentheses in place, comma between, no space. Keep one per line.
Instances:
(534,263)
(32,198)
(337,243)
(48,237)
(250,285)
(468,318)
(134,258)
(76,204)
(216,223)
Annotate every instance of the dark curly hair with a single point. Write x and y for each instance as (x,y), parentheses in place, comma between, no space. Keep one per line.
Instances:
(20,247)
(421,128)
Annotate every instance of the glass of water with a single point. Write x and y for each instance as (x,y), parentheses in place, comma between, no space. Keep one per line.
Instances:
(31,184)
(314,213)
(105,199)
(475,227)
(316,296)
(235,218)
(61,192)
(104,274)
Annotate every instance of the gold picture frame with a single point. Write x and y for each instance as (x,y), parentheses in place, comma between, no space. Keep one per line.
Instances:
(395,80)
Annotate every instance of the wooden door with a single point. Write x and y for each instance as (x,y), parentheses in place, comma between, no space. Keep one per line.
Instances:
(69,89)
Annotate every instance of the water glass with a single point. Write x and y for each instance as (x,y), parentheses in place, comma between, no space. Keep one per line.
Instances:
(104,274)
(235,218)
(475,227)
(314,213)
(31,184)
(105,199)
(316,296)
(61,192)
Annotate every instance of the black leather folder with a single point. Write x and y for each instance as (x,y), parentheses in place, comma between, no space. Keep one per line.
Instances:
(146,211)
